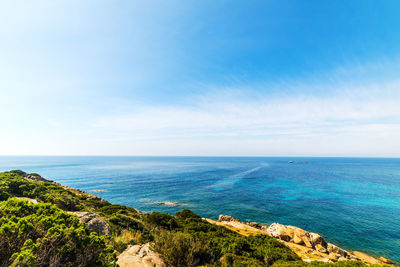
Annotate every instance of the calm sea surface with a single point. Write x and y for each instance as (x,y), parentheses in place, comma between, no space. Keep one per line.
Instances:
(353,202)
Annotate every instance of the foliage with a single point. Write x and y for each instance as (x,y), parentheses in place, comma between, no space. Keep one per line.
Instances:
(121,242)
(232,260)
(194,241)
(112,209)
(180,249)
(13,184)
(187,214)
(42,234)
(163,220)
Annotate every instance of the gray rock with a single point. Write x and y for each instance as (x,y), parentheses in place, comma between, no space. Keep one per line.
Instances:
(227,218)
(93,197)
(255,225)
(331,248)
(279,231)
(84,216)
(99,226)
(31,200)
(320,248)
(94,222)
(316,239)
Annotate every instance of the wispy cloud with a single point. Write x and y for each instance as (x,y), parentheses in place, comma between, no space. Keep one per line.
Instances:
(166,77)
(352,119)
(216,115)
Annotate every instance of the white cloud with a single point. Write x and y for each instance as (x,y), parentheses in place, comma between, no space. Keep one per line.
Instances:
(362,121)
(340,116)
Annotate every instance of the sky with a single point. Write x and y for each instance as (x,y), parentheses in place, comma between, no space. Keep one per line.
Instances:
(200,78)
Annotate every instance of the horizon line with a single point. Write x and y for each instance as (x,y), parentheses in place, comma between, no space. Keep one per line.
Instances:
(206,156)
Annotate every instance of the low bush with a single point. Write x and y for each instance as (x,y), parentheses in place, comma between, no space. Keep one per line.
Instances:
(112,209)
(42,235)
(162,220)
(187,214)
(180,249)
(232,260)
(14,184)
(121,242)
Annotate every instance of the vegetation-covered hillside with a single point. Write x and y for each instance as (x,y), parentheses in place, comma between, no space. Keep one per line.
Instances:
(48,233)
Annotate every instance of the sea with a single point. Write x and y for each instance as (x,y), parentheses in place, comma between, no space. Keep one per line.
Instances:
(353,202)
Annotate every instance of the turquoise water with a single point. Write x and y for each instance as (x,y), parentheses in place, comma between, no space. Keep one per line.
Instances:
(353,202)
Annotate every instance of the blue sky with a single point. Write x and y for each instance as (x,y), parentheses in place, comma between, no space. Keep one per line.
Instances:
(229,78)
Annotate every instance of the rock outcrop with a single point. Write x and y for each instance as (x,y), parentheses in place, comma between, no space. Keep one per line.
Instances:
(32,176)
(31,200)
(227,218)
(367,258)
(309,246)
(310,240)
(94,222)
(256,225)
(386,261)
(99,226)
(140,256)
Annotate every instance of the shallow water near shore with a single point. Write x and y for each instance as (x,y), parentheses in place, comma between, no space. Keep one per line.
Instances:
(353,202)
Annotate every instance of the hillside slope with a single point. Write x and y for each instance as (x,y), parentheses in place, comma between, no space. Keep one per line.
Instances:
(69,227)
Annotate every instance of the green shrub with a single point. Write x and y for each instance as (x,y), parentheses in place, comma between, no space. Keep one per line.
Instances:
(186,214)
(112,209)
(42,235)
(13,184)
(163,220)
(64,200)
(18,172)
(180,249)
(232,260)
(125,222)
(213,245)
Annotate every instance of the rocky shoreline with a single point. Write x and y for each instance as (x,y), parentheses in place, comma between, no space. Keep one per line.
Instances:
(308,246)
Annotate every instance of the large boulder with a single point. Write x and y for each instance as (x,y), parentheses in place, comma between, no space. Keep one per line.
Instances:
(320,248)
(386,261)
(331,248)
(280,231)
(140,256)
(299,236)
(305,236)
(317,239)
(297,240)
(333,257)
(84,216)
(366,258)
(31,200)
(99,226)
(36,177)
(94,222)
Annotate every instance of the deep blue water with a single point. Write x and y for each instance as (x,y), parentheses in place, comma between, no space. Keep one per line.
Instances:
(353,202)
